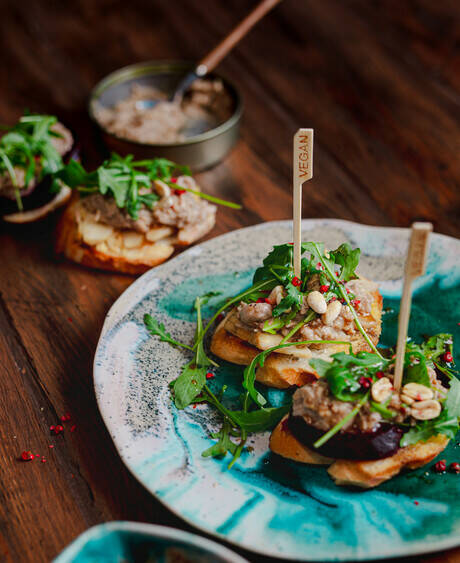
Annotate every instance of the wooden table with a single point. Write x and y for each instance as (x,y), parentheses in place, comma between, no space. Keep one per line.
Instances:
(378,81)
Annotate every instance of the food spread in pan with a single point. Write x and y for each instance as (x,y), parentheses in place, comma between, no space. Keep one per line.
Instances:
(131,215)
(341,408)
(207,103)
(31,152)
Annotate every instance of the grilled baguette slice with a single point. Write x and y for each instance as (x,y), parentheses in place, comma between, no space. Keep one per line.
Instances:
(96,245)
(364,474)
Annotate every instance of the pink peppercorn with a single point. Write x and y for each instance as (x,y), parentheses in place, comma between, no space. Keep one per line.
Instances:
(365,382)
(440,466)
(454,467)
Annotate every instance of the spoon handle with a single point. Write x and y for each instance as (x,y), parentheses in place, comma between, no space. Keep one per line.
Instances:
(212,59)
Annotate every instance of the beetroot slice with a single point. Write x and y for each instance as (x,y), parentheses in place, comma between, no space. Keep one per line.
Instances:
(381,442)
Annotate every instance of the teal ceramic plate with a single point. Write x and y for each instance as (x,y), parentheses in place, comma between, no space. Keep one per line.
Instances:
(131,542)
(267,504)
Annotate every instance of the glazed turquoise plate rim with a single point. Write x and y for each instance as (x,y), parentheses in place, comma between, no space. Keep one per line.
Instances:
(103,377)
(154,531)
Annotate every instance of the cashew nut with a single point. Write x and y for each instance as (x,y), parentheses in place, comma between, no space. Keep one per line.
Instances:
(317,302)
(162,189)
(426,410)
(332,312)
(276,294)
(407,400)
(381,389)
(417,391)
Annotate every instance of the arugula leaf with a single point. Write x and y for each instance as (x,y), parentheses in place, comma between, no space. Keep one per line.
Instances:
(279,261)
(343,383)
(362,359)
(161,167)
(422,432)
(189,384)
(452,403)
(74,175)
(348,259)
(249,376)
(415,370)
(437,346)
(201,359)
(224,444)
(109,182)
(158,329)
(345,370)
(381,408)
(320,366)
(122,178)
(28,145)
(273,325)
(148,200)
(293,300)
(261,419)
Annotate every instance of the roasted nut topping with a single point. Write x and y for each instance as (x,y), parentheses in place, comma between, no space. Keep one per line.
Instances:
(417,391)
(426,410)
(381,389)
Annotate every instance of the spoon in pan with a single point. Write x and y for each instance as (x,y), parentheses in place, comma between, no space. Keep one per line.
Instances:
(212,59)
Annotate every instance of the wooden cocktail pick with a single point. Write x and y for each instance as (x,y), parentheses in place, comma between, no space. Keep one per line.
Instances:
(302,171)
(415,267)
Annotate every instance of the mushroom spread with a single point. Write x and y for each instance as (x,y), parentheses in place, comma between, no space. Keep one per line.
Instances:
(207,103)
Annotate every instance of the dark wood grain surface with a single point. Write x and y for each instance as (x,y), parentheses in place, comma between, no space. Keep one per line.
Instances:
(379,81)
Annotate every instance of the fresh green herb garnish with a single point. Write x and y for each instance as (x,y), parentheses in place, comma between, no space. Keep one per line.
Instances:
(27,145)
(436,346)
(190,387)
(126,180)
(346,371)
(347,259)
(158,329)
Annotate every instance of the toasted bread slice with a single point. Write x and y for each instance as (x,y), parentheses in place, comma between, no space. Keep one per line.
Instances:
(96,245)
(32,215)
(364,474)
(285,444)
(234,342)
(279,370)
(369,474)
